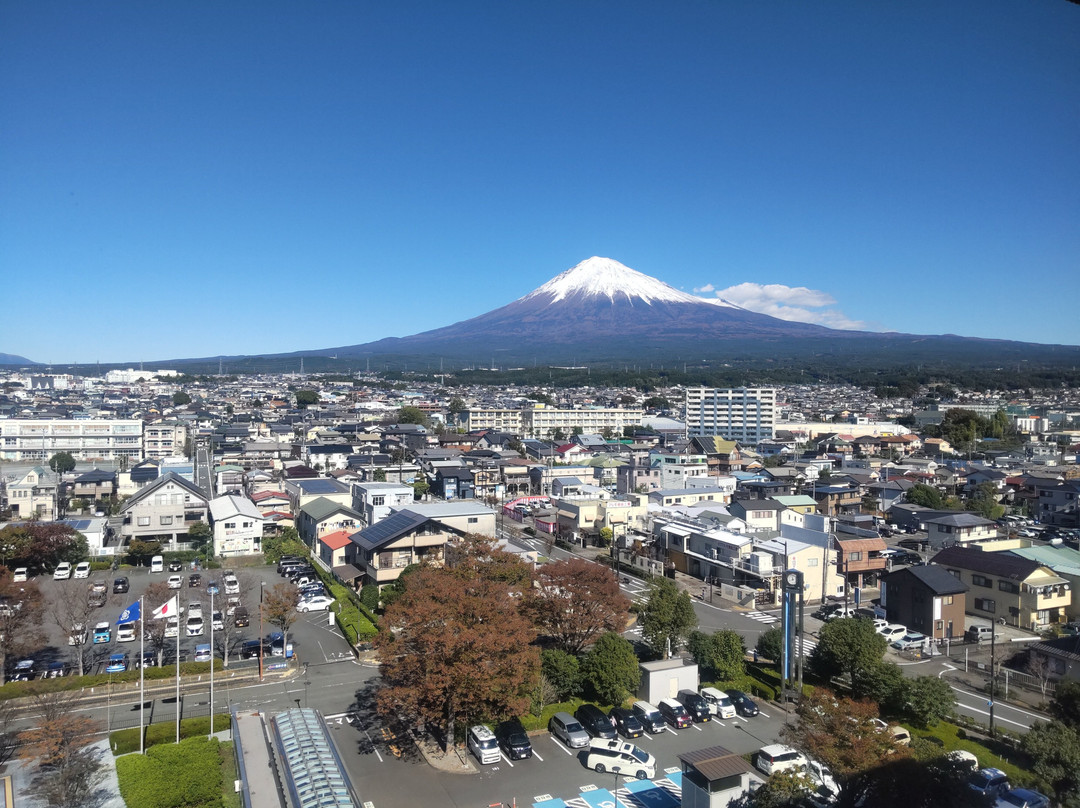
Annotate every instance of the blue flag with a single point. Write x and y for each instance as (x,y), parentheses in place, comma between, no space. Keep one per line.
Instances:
(130,614)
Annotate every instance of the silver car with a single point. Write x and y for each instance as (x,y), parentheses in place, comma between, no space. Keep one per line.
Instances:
(568,730)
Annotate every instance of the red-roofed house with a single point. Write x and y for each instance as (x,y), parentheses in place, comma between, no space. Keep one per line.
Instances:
(335,549)
(267,501)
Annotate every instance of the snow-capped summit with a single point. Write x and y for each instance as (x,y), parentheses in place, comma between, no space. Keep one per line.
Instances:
(606,277)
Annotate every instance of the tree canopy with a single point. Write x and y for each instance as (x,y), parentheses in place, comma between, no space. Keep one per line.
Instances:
(62,462)
(611,669)
(575,601)
(847,645)
(925,495)
(721,654)
(306,398)
(667,618)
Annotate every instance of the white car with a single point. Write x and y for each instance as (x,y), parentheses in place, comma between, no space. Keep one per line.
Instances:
(232,586)
(194,626)
(893,632)
(125,632)
(20,575)
(231,604)
(194,609)
(913,639)
(82,569)
(319,603)
(62,571)
(172,626)
(217,622)
(175,581)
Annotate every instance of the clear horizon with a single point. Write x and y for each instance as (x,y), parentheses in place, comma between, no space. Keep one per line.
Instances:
(259,178)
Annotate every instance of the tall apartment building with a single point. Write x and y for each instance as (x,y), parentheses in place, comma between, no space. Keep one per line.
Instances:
(542,421)
(744,414)
(36,440)
(165,439)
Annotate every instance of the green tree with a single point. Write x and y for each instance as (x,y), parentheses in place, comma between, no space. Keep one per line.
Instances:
(200,535)
(1054,748)
(139,552)
(925,495)
(306,398)
(412,415)
(1065,705)
(369,596)
(848,646)
(721,654)
(180,398)
(288,542)
(656,403)
(420,488)
(929,700)
(606,535)
(396,588)
(884,683)
(563,672)
(611,669)
(456,405)
(667,617)
(62,462)
(984,502)
(787,788)
(770,644)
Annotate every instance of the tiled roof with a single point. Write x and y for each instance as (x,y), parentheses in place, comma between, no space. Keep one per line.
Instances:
(997,564)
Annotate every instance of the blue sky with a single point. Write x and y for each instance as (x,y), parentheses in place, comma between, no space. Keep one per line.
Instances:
(203,178)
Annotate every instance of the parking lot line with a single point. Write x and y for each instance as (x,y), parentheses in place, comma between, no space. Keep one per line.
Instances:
(763,715)
(537,756)
(556,742)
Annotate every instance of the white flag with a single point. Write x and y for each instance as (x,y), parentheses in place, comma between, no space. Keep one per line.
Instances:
(167,609)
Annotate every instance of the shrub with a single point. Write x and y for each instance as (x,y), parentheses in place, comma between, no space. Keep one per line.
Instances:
(184,775)
(124,741)
(369,597)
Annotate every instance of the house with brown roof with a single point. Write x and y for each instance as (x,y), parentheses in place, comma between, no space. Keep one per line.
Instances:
(1002,586)
(927,599)
(714,777)
(857,558)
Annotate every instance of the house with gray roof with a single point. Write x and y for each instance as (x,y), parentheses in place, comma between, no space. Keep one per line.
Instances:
(927,599)
(163,511)
(323,515)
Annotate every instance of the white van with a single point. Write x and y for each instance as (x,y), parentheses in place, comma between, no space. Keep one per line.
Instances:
(483,744)
(157,564)
(720,704)
(777,758)
(620,757)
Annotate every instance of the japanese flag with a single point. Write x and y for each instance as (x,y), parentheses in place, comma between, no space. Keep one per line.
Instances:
(167,609)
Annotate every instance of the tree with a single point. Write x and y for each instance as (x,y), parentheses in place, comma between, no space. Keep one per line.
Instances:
(1065,705)
(456,405)
(451,648)
(721,654)
(14,544)
(562,670)
(847,646)
(412,415)
(784,789)
(62,462)
(574,601)
(606,535)
(421,487)
(306,398)
(611,669)
(73,613)
(984,502)
(770,644)
(475,555)
(667,618)
(43,545)
(929,700)
(925,495)
(840,734)
(884,683)
(279,608)
(67,769)
(288,542)
(396,588)
(1054,748)
(200,535)
(369,596)
(180,399)
(140,551)
(21,607)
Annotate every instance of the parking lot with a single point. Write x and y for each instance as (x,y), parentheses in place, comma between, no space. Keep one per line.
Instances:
(311,637)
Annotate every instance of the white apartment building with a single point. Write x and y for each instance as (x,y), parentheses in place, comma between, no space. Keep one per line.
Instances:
(164,439)
(542,421)
(500,420)
(744,414)
(37,440)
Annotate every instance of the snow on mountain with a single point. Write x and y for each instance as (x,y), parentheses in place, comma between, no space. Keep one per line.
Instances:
(719,301)
(605,277)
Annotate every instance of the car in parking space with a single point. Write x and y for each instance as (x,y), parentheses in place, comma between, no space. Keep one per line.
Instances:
(826,791)
(880,624)
(176,565)
(312,591)
(217,621)
(157,564)
(118,663)
(175,582)
(82,569)
(695,705)
(240,617)
(232,604)
(149,660)
(649,716)
(172,626)
(893,632)
(306,580)
(595,721)
(102,633)
(194,581)
(620,757)
(1022,798)
(62,571)
(744,705)
(626,722)
(250,649)
(125,632)
(120,585)
(54,671)
(318,603)
(194,608)
(913,639)
(568,730)
(202,652)
(777,757)
(194,626)
(989,782)
(719,702)
(513,740)
(277,645)
(674,713)
(19,576)
(213,588)
(232,585)
(24,671)
(481,742)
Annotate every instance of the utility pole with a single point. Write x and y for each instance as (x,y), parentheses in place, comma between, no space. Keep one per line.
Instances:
(993,678)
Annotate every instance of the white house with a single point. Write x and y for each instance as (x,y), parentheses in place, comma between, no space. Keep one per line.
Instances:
(237,524)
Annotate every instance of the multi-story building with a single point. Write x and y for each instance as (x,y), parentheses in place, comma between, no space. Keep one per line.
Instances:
(926,599)
(163,511)
(164,439)
(32,494)
(743,414)
(376,501)
(677,469)
(543,421)
(37,440)
(237,524)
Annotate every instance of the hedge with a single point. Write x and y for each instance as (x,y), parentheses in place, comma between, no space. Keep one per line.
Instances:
(357,622)
(184,775)
(124,741)
(533,722)
(14,690)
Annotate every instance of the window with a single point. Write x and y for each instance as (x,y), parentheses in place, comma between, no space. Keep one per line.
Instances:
(947,600)
(144,521)
(1009,586)
(812,562)
(166,520)
(376,501)
(981,580)
(473,520)
(985,605)
(855,555)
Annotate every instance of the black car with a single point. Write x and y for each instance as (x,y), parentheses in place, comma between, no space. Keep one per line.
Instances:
(194,581)
(595,721)
(149,660)
(626,722)
(744,705)
(175,566)
(293,573)
(513,740)
(240,617)
(120,585)
(907,557)
(250,649)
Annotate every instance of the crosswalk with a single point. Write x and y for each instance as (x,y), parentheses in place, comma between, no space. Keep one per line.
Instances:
(763,617)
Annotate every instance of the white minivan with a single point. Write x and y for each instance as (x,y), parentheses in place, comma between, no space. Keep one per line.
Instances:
(157,564)
(720,704)
(777,757)
(620,757)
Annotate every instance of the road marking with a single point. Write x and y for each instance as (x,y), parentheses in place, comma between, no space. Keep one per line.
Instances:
(996,718)
(537,756)
(504,757)
(763,715)
(695,726)
(560,745)
(982,697)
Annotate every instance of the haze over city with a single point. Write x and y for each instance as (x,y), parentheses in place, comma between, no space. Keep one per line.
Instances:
(196,179)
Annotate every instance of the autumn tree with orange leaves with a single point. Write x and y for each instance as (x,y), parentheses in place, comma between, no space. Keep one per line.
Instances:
(575,602)
(67,769)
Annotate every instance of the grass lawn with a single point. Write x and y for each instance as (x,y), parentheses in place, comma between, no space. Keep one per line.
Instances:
(988,755)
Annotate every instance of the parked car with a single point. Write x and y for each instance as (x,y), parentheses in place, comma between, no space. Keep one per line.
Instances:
(194,581)
(568,730)
(175,581)
(744,705)
(19,576)
(674,713)
(202,652)
(125,632)
(240,617)
(777,758)
(231,605)
(149,660)
(596,722)
(62,571)
(719,702)
(102,633)
(989,782)
(157,564)
(118,663)
(513,740)
(120,585)
(82,569)
(913,639)
(24,671)
(1022,798)
(217,621)
(318,603)
(232,585)
(620,757)
(78,635)
(194,608)
(54,671)
(250,649)
(172,626)
(626,722)
(893,632)
(482,743)
(212,588)
(695,705)
(195,626)
(277,644)
(649,716)
(176,565)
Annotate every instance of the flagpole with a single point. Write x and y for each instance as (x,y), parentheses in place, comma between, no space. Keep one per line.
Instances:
(177,668)
(142,670)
